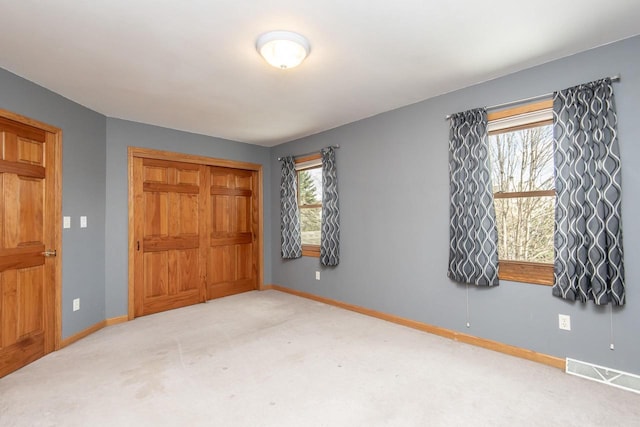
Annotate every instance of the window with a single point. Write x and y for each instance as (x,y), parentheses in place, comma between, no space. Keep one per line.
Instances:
(521,153)
(310,202)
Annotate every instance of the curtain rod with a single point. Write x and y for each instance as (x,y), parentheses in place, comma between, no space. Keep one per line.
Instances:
(615,78)
(313,152)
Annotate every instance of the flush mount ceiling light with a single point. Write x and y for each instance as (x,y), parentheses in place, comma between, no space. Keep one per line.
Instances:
(283,49)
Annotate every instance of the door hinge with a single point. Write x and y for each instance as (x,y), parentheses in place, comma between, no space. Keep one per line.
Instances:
(50,252)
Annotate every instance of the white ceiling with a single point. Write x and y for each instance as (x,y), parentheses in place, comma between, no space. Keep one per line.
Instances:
(192,65)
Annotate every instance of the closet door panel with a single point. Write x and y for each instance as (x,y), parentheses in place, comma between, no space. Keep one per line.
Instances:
(169,248)
(232,259)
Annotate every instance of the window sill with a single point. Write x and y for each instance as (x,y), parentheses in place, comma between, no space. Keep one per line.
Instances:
(311,250)
(526,272)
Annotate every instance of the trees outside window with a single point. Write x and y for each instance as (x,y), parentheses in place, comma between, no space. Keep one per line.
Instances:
(310,204)
(521,153)
(309,171)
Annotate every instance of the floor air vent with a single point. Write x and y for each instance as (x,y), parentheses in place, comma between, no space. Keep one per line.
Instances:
(619,379)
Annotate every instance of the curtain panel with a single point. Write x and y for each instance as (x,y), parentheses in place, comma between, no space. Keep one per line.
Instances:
(588,262)
(330,234)
(291,238)
(473,247)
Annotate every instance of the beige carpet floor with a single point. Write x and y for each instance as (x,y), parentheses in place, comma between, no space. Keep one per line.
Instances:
(272,359)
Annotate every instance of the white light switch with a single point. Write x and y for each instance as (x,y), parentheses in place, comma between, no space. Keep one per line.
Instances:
(66,222)
(83,222)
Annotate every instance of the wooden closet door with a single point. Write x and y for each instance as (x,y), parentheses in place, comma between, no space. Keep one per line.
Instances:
(233,253)
(170,260)
(27,230)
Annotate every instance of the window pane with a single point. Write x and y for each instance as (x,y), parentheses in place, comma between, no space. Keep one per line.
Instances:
(525,228)
(522,160)
(310,224)
(310,186)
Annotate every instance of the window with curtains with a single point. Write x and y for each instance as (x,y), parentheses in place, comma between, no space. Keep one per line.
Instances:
(309,173)
(522,175)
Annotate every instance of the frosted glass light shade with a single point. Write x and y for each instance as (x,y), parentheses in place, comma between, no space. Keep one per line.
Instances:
(283,49)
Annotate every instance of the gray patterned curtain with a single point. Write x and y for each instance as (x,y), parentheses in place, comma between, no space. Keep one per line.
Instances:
(330,235)
(473,247)
(588,261)
(291,239)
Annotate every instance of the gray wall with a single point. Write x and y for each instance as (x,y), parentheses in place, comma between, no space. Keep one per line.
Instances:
(83,193)
(393,180)
(122,134)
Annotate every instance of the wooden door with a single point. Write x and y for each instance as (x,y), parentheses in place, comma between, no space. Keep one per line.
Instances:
(195,229)
(29,203)
(233,256)
(170,234)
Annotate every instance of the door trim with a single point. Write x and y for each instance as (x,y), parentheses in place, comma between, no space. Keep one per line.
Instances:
(148,153)
(53,338)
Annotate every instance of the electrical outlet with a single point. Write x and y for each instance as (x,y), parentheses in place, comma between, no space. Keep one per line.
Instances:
(66,222)
(83,222)
(317,275)
(564,322)
(76,304)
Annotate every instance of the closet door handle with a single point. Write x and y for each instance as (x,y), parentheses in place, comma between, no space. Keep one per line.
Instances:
(138,245)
